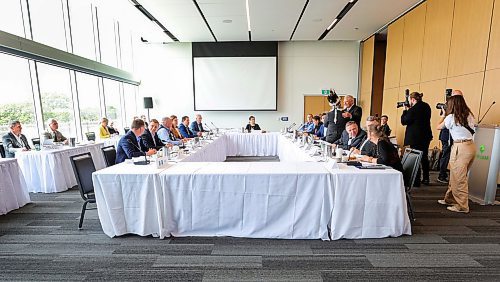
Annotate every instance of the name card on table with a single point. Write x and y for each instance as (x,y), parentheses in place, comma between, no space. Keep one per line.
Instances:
(161,162)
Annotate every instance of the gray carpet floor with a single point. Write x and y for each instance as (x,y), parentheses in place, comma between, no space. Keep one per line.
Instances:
(41,241)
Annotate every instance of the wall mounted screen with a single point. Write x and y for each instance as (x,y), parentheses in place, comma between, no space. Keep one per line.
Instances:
(235,76)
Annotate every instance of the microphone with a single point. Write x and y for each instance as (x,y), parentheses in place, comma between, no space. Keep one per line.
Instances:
(486,112)
(290,127)
(214,125)
(145,162)
(206,125)
(300,125)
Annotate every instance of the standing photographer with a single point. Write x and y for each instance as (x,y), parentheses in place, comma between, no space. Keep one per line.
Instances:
(418,135)
(460,121)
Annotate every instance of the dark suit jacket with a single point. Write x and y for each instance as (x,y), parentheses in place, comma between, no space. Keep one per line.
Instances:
(386,130)
(335,129)
(387,154)
(128,148)
(250,128)
(186,132)
(356,113)
(147,141)
(355,142)
(10,142)
(195,127)
(418,124)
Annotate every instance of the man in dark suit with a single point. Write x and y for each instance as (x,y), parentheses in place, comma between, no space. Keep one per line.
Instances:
(52,134)
(337,119)
(352,136)
(197,126)
(418,135)
(15,141)
(184,129)
(150,139)
(129,145)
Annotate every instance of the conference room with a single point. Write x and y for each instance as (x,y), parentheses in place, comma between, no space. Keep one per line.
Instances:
(249,139)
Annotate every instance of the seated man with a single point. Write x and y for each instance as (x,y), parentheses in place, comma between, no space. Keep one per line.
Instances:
(129,145)
(165,133)
(52,134)
(308,126)
(351,136)
(15,141)
(184,128)
(149,139)
(318,128)
(197,126)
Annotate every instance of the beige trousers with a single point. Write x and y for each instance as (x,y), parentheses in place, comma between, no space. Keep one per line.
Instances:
(461,158)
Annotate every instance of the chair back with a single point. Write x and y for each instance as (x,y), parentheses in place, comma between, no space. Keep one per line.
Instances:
(2,150)
(411,165)
(90,136)
(109,153)
(83,167)
(36,141)
(127,129)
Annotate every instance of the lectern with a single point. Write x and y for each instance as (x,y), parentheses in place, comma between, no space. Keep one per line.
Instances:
(483,175)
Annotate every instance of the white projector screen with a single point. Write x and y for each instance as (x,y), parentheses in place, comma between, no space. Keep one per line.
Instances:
(234,83)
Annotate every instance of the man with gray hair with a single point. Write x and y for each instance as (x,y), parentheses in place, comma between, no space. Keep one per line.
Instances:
(15,141)
(165,132)
(352,136)
(52,134)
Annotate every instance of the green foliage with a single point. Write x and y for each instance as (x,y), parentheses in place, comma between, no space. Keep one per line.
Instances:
(57,106)
(17,111)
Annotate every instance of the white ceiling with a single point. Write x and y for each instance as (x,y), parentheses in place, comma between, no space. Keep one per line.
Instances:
(273,20)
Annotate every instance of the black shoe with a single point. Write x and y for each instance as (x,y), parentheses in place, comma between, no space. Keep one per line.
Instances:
(443,180)
(425,182)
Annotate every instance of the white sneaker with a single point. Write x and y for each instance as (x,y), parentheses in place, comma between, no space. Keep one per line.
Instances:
(443,202)
(455,209)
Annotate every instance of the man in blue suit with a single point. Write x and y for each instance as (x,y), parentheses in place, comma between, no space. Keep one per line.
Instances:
(129,145)
(184,129)
(150,139)
(197,126)
(308,126)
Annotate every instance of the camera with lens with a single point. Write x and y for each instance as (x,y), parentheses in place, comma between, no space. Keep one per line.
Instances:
(442,106)
(333,97)
(406,102)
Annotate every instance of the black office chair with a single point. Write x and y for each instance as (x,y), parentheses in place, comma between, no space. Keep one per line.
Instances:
(2,150)
(109,153)
(126,129)
(411,165)
(90,136)
(83,166)
(35,141)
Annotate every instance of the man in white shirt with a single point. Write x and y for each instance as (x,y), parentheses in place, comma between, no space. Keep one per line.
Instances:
(15,141)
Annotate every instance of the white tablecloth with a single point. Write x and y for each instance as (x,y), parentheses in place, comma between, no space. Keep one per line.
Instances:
(296,198)
(257,200)
(50,171)
(368,204)
(13,191)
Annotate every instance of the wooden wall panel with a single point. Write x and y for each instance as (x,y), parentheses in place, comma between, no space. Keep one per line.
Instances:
(471,85)
(367,74)
(313,105)
(413,42)
(389,108)
(434,92)
(394,51)
(490,94)
(437,39)
(493,60)
(469,38)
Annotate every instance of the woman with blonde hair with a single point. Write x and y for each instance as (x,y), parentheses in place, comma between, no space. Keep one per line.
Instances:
(103,129)
(175,129)
(459,120)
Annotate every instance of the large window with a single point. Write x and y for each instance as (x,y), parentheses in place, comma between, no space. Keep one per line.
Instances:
(113,101)
(47,23)
(56,97)
(82,29)
(11,19)
(130,97)
(17,96)
(107,39)
(89,101)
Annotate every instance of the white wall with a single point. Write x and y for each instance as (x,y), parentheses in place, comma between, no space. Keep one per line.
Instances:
(304,68)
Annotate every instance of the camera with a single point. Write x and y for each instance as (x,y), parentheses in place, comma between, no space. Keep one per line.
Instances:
(442,106)
(333,97)
(406,102)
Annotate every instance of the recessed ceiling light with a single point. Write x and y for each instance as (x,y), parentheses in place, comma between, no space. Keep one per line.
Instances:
(227,21)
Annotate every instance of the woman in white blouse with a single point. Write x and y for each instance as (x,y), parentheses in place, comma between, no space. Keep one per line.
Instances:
(460,121)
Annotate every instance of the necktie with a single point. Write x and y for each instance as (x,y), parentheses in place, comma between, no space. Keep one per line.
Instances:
(153,135)
(55,136)
(199,127)
(188,131)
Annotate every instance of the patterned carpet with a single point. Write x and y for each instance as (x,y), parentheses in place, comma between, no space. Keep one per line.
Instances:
(41,242)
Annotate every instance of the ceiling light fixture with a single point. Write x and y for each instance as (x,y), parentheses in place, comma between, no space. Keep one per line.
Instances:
(335,21)
(227,21)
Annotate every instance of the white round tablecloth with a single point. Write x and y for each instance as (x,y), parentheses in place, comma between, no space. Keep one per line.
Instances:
(13,191)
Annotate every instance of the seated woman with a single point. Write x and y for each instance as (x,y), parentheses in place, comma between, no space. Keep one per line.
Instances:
(112,130)
(252,125)
(387,154)
(175,127)
(103,129)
